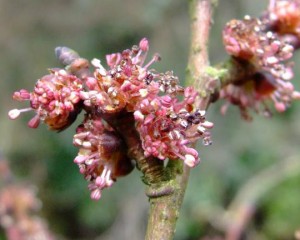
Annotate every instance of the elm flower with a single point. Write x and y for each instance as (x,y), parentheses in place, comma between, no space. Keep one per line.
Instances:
(102,155)
(18,208)
(257,94)
(283,17)
(168,127)
(241,37)
(130,87)
(128,81)
(55,100)
(247,41)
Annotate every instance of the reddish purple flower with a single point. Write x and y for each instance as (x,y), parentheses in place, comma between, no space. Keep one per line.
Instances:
(168,127)
(55,100)
(17,214)
(241,37)
(126,83)
(102,155)
(284,16)
(247,40)
(257,94)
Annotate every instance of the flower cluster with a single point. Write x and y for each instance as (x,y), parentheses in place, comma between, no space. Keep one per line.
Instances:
(55,100)
(102,155)
(283,17)
(124,85)
(167,127)
(252,41)
(17,203)
(19,207)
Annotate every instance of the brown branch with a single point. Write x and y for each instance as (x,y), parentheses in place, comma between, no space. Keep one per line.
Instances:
(164,210)
(166,202)
(200,17)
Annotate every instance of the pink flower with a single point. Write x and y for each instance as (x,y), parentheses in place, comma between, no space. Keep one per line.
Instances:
(127,82)
(248,40)
(129,86)
(167,127)
(284,16)
(17,213)
(241,37)
(55,100)
(102,155)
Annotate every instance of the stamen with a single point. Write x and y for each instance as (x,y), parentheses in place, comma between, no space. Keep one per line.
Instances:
(144,45)
(207,124)
(15,113)
(80,159)
(34,122)
(96,194)
(190,160)
(21,95)
(280,106)
(108,180)
(97,63)
(154,59)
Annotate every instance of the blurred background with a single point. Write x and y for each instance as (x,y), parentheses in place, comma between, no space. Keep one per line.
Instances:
(248,180)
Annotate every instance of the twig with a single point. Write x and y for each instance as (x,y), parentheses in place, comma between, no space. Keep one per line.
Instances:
(164,208)
(200,18)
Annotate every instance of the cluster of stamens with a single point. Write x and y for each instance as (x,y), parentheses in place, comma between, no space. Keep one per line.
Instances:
(167,127)
(283,17)
(18,208)
(102,156)
(252,41)
(55,100)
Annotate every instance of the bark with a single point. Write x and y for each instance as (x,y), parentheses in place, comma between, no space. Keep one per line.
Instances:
(166,197)
(200,17)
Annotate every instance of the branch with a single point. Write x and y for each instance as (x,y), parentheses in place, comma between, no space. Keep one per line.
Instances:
(166,199)
(236,217)
(200,17)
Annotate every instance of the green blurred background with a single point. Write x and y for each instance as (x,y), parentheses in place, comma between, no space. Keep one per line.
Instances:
(29,32)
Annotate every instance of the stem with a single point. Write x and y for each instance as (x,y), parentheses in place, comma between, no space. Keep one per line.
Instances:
(236,71)
(164,209)
(200,17)
(166,198)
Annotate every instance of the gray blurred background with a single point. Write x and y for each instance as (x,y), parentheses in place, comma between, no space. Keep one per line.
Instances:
(29,32)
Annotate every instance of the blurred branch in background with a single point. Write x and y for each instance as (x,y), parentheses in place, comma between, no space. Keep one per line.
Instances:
(235,219)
